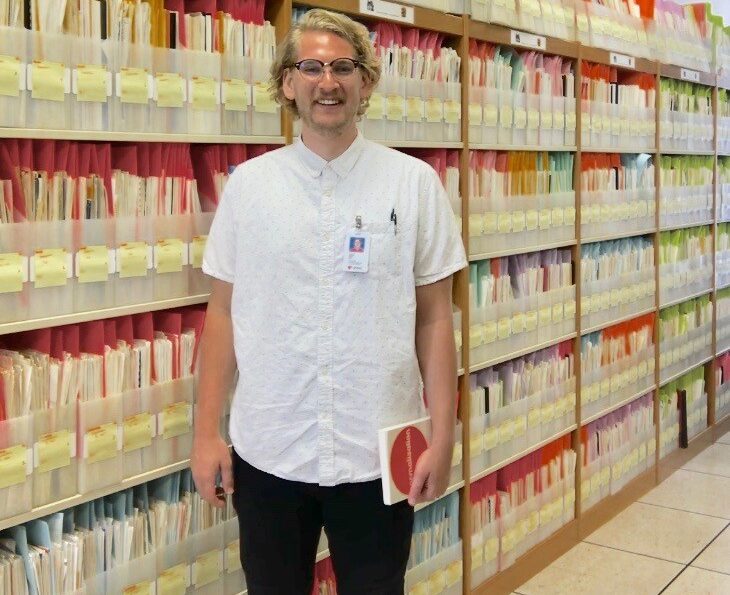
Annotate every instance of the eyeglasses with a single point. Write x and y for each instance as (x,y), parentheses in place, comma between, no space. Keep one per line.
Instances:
(341,68)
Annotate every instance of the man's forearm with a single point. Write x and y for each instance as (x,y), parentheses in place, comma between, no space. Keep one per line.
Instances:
(217,366)
(437,360)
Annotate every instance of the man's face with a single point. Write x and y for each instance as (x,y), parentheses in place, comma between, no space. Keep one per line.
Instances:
(357,245)
(329,105)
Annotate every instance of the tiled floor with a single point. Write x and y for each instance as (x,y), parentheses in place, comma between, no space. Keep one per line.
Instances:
(673,541)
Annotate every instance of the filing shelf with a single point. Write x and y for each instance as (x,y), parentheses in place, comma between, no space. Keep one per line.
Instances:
(613,408)
(418,144)
(89,496)
(621,151)
(458,30)
(617,236)
(137,137)
(513,251)
(689,368)
(671,303)
(533,148)
(520,352)
(687,152)
(497,466)
(687,225)
(75,318)
(619,320)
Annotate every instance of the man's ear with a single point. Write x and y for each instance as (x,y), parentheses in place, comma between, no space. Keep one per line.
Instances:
(366,89)
(288,84)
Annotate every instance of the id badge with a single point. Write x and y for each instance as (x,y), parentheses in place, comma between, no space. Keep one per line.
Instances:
(357,251)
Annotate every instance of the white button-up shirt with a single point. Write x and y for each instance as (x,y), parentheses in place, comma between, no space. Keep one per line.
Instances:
(327,357)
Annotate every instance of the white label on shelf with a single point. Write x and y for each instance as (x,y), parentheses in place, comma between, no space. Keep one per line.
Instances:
(388,10)
(690,75)
(528,40)
(622,60)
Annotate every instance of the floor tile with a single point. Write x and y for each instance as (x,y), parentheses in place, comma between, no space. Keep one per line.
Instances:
(692,492)
(715,459)
(695,581)
(594,570)
(724,439)
(717,556)
(671,535)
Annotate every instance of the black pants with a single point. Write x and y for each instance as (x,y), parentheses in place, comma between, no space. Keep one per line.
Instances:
(280,523)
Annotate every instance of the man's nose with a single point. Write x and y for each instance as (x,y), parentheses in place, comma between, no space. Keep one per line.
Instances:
(328,81)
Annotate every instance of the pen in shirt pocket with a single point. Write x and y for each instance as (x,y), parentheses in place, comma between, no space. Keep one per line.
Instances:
(394,219)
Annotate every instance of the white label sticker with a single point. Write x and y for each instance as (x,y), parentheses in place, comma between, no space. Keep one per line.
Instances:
(387,10)
(622,60)
(528,40)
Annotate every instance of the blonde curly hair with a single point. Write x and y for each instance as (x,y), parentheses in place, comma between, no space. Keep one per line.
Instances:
(356,34)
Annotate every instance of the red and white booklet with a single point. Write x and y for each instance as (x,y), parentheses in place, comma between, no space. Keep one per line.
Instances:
(400,447)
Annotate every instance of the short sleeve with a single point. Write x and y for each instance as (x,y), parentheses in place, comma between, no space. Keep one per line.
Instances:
(219,258)
(439,249)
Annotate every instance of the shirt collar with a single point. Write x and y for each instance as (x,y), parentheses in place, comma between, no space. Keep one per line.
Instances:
(341,165)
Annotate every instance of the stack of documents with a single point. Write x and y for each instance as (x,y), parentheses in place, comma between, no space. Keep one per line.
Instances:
(520,98)
(723,121)
(445,163)
(435,563)
(686,122)
(723,188)
(617,194)
(686,190)
(447,6)
(685,336)
(555,18)
(83,406)
(160,536)
(723,319)
(617,364)
(614,25)
(617,448)
(688,391)
(87,226)
(617,279)
(418,97)
(685,263)
(520,403)
(519,200)
(668,420)
(722,384)
(196,67)
(520,505)
(722,255)
(520,301)
(618,108)
(683,34)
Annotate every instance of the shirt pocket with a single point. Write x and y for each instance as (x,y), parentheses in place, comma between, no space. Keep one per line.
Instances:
(385,251)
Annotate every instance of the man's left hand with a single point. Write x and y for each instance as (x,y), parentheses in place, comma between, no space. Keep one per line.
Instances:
(431,477)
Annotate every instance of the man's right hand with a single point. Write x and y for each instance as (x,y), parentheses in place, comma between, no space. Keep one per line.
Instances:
(210,457)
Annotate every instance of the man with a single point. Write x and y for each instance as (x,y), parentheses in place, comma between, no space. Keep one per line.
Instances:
(307,408)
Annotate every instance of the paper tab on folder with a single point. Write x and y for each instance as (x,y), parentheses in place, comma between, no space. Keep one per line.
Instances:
(11,272)
(48,80)
(91,83)
(13,465)
(133,85)
(10,76)
(204,93)
(53,451)
(236,95)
